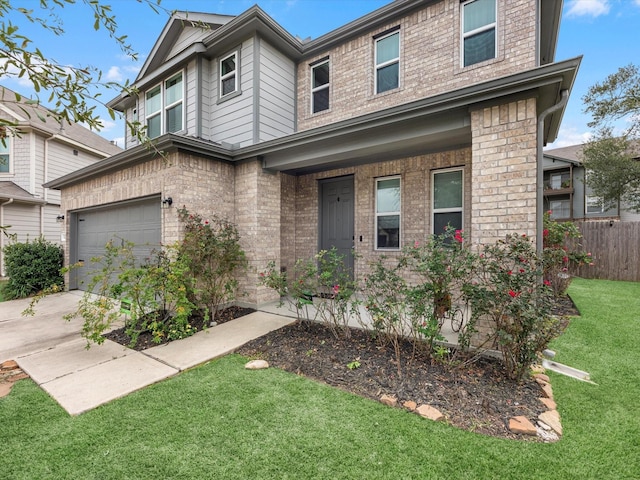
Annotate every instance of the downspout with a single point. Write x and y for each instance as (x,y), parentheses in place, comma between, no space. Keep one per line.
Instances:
(564,98)
(2,235)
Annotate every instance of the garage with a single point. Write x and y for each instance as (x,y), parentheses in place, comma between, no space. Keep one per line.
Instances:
(136,221)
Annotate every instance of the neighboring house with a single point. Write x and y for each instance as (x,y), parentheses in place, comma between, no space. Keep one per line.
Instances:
(568,197)
(35,151)
(420,114)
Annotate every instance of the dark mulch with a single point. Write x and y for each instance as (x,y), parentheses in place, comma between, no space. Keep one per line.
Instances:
(476,397)
(197,321)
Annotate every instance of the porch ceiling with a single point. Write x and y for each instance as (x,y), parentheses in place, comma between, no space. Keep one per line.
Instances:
(371,143)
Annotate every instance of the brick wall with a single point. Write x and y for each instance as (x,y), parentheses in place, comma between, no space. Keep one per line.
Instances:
(503,198)
(415,175)
(429,61)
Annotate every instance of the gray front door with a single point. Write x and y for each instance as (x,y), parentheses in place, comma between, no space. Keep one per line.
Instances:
(336,217)
(136,221)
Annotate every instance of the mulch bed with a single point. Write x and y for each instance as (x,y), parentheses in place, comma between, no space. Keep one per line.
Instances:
(476,397)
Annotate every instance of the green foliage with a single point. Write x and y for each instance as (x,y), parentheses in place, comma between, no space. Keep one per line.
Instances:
(614,105)
(562,253)
(213,256)
(320,288)
(155,291)
(32,267)
(613,173)
(507,293)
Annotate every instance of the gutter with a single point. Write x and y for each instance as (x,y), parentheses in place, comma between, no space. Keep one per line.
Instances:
(564,98)
(3,235)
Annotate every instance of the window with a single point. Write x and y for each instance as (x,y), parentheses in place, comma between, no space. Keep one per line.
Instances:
(388,213)
(560,208)
(559,180)
(478,31)
(5,152)
(173,103)
(228,75)
(387,62)
(168,98)
(320,87)
(447,201)
(594,204)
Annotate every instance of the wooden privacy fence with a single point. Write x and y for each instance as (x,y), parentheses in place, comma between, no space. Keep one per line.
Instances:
(615,248)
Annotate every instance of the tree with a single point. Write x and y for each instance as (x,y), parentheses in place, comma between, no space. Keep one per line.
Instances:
(613,173)
(71,91)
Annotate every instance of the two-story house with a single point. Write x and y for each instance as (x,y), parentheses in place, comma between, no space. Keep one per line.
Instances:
(568,196)
(34,150)
(420,114)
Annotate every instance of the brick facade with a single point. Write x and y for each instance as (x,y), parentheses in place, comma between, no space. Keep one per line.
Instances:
(429,61)
(503,198)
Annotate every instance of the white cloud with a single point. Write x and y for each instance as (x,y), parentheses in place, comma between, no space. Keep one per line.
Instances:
(591,8)
(115,74)
(637,2)
(568,137)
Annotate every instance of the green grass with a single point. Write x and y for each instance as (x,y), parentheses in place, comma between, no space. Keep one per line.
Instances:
(221,421)
(2,282)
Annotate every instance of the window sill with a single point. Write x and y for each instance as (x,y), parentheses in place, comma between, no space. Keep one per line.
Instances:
(229,96)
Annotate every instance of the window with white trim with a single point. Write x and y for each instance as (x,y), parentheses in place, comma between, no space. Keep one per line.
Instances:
(478,31)
(320,86)
(164,112)
(594,204)
(388,213)
(387,60)
(5,151)
(228,74)
(447,199)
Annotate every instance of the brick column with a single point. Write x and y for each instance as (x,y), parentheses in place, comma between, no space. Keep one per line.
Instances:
(257,207)
(503,190)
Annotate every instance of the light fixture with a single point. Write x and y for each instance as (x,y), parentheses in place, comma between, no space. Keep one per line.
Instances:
(167,202)
(60,218)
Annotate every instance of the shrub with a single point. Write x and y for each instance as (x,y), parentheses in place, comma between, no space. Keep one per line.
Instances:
(562,253)
(32,267)
(212,253)
(323,278)
(155,293)
(508,294)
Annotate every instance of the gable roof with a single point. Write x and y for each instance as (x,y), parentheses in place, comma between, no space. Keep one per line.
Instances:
(31,115)
(9,190)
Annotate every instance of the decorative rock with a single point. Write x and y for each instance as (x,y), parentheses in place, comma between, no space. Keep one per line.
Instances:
(19,376)
(9,365)
(537,368)
(547,435)
(256,365)
(542,377)
(389,400)
(5,388)
(429,412)
(410,405)
(547,390)
(522,425)
(552,418)
(549,403)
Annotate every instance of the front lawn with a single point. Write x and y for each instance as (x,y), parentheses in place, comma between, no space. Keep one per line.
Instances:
(221,421)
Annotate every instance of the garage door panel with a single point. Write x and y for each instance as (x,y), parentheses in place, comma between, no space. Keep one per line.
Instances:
(137,222)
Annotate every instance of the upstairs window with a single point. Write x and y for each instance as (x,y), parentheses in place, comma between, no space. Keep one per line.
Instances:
(478,31)
(320,87)
(5,152)
(228,74)
(387,62)
(163,107)
(388,213)
(173,93)
(447,200)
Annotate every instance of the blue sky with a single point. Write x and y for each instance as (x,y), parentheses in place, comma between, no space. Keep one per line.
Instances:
(604,32)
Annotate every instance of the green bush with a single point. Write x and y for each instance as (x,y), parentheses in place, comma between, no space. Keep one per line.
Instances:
(32,267)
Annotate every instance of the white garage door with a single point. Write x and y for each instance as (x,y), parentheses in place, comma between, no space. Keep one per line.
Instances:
(136,221)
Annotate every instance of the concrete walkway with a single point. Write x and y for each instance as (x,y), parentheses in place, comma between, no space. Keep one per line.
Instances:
(52,352)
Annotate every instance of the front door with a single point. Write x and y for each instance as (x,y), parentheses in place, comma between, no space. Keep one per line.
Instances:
(336,217)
